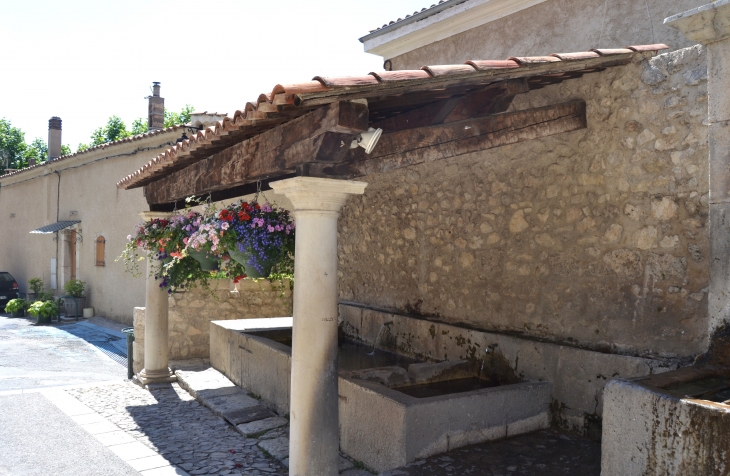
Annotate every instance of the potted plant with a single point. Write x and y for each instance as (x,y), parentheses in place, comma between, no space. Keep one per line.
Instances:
(36,285)
(16,307)
(44,311)
(75,289)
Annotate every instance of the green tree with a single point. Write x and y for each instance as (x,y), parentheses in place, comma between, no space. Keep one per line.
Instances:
(12,146)
(139,126)
(182,117)
(37,150)
(115,129)
(65,149)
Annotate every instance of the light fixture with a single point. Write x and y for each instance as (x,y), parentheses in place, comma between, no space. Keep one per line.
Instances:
(367,140)
(182,138)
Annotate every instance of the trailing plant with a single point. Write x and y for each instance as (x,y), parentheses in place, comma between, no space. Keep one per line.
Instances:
(165,242)
(36,284)
(74,288)
(43,309)
(16,305)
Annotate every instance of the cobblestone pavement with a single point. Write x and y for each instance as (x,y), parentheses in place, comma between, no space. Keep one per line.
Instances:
(543,453)
(170,421)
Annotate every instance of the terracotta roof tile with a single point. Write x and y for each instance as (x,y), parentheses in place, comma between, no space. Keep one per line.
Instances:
(523,60)
(448,69)
(387,92)
(484,65)
(98,147)
(612,51)
(347,81)
(576,56)
(656,47)
(404,75)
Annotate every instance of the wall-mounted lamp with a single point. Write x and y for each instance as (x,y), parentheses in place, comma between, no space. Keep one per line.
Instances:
(367,140)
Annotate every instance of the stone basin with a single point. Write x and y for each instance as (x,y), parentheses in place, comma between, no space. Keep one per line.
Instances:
(393,409)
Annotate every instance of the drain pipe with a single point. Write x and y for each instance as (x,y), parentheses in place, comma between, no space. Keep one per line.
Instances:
(58,214)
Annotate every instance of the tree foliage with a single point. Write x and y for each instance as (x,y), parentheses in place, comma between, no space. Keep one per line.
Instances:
(15,153)
(116,129)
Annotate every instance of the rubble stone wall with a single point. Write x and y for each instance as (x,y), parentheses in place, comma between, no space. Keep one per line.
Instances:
(596,238)
(190,314)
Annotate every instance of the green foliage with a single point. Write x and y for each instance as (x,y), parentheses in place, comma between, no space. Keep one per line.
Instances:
(16,305)
(139,126)
(12,146)
(182,117)
(36,284)
(37,150)
(74,288)
(65,149)
(115,129)
(43,309)
(45,296)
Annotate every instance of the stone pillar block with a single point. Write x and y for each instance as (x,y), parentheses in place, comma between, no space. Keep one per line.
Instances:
(314,434)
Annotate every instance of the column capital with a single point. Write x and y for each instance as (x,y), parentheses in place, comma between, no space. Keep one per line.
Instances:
(318,194)
(148,216)
(706,24)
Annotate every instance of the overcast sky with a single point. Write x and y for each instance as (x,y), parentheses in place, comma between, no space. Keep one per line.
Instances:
(87,60)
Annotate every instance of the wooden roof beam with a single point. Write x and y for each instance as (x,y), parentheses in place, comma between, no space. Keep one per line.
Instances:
(323,135)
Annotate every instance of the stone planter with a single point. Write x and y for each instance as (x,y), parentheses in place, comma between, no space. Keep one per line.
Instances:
(44,320)
(74,306)
(17,314)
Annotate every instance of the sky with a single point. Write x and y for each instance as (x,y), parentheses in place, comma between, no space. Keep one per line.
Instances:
(85,61)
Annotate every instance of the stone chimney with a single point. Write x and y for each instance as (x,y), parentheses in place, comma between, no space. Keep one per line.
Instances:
(54,138)
(156,112)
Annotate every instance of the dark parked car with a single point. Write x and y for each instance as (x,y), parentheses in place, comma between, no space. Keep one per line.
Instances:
(8,289)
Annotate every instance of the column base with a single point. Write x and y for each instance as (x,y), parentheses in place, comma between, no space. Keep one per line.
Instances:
(146,377)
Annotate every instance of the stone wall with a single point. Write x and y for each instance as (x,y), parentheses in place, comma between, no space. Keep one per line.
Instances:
(557,26)
(190,314)
(595,238)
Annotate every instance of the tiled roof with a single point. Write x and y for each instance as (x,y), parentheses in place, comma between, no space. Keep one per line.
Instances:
(95,148)
(424,13)
(388,93)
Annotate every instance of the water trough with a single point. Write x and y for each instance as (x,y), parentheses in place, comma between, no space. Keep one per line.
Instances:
(393,409)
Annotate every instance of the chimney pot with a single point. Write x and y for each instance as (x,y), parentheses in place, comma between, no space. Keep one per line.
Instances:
(54,138)
(156,109)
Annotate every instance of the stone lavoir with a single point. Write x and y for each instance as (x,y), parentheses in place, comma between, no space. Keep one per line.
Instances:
(552,212)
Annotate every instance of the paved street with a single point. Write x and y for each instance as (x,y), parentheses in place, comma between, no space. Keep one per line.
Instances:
(66,409)
(45,356)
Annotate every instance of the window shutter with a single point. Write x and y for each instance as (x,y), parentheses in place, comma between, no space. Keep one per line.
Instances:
(100,249)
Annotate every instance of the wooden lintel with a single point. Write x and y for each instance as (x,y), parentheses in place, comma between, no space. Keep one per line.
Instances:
(427,144)
(324,135)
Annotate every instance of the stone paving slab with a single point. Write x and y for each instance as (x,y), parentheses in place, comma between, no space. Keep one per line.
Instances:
(542,453)
(261,426)
(170,423)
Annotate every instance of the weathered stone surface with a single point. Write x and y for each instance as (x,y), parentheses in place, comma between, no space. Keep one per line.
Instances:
(562,226)
(260,426)
(277,447)
(190,313)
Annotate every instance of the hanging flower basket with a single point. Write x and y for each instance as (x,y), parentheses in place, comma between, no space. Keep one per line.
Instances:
(206,261)
(242,258)
(259,237)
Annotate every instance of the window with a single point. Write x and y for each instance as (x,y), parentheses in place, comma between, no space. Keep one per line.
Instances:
(100,248)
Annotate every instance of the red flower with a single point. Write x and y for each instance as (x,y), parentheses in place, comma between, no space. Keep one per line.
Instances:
(238,278)
(243,216)
(258,207)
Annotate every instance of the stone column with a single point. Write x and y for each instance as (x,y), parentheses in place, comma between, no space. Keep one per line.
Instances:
(314,414)
(710,25)
(155,326)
